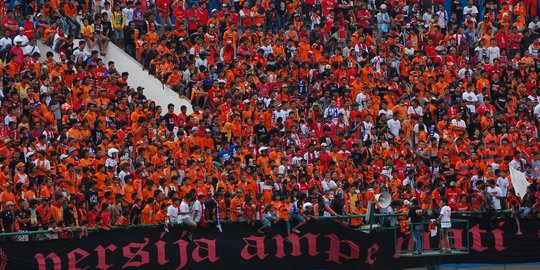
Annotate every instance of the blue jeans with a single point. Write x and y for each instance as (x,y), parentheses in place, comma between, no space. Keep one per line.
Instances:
(526,211)
(130,49)
(417,237)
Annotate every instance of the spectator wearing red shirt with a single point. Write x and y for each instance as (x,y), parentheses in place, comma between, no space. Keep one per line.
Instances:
(9,23)
(364,17)
(453,194)
(92,215)
(246,15)
(463,204)
(105,214)
(192,16)
(204,15)
(17,53)
(486,107)
(179,14)
(164,10)
(514,40)
(44,211)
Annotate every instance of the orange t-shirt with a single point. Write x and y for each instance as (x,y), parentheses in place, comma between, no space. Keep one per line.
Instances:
(147,215)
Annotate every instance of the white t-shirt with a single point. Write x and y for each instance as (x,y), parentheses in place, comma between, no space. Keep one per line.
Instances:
(201,62)
(443,18)
(128,15)
(43,163)
(534,25)
(462,72)
(446,213)
(361,100)
(197,206)
(470,10)
(493,53)
(459,123)
(394,126)
(495,192)
(469,96)
(416,111)
(184,208)
(22,38)
(503,183)
(427,18)
(386,112)
(4,42)
(29,49)
(172,212)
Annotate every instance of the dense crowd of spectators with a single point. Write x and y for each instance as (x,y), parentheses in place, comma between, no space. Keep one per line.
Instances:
(300,109)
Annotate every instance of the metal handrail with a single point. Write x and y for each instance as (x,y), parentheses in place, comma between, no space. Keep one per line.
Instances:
(466,248)
(75,229)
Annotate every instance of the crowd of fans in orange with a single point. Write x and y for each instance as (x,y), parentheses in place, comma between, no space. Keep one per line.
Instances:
(300,109)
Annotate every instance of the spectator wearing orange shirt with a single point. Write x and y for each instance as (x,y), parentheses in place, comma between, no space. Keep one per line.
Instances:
(147,214)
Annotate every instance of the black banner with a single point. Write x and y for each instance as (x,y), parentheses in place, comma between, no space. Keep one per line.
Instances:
(320,245)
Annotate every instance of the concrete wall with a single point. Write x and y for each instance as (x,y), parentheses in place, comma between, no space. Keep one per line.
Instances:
(137,77)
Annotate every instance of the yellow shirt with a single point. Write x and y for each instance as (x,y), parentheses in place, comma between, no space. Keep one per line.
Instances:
(87,30)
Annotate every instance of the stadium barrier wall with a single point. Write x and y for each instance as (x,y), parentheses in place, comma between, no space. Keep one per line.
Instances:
(322,244)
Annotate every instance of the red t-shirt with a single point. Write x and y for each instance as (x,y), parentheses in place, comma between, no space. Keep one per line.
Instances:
(106,217)
(10,22)
(163,6)
(515,41)
(452,194)
(92,219)
(203,16)
(247,21)
(192,25)
(327,6)
(179,14)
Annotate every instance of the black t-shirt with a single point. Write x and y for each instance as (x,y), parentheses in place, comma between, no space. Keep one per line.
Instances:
(67,48)
(129,36)
(135,214)
(171,120)
(209,207)
(107,28)
(97,135)
(69,216)
(261,133)
(23,214)
(499,124)
(7,217)
(92,197)
(357,157)
(415,213)
(445,168)
(98,28)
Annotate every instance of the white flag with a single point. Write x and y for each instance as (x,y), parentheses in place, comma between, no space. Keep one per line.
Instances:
(519,182)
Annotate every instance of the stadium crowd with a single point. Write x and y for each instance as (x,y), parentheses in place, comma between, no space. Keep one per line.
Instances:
(300,109)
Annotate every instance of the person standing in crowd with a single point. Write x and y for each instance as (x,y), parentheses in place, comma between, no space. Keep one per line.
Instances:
(444,220)
(503,183)
(415,217)
(495,193)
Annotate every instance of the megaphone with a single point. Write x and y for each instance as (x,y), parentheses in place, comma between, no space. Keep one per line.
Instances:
(384,199)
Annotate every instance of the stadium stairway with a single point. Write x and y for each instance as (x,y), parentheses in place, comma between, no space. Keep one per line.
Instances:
(153,88)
